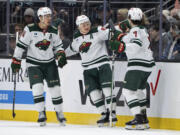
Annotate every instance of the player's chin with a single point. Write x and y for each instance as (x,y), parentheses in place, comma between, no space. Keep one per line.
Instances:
(86,31)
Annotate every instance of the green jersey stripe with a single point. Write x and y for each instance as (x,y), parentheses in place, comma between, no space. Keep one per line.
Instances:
(101,103)
(141,60)
(38,100)
(135,39)
(132,105)
(21,46)
(132,101)
(29,57)
(137,42)
(39,96)
(98,61)
(57,98)
(95,60)
(141,64)
(23,43)
(57,102)
(39,63)
(99,100)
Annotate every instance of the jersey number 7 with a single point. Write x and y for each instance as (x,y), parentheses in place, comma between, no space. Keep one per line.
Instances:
(135,33)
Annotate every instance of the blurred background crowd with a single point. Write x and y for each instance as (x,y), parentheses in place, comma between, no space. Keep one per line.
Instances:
(162,19)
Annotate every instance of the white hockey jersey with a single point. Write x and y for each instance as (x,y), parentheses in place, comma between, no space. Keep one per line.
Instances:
(137,50)
(41,46)
(96,53)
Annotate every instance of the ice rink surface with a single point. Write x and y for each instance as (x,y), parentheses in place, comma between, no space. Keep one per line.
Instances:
(30,128)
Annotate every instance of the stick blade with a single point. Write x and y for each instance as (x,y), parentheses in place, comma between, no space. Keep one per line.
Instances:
(14,115)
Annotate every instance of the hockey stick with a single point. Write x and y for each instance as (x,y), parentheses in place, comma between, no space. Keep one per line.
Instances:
(14,95)
(111,25)
(84,7)
(14,92)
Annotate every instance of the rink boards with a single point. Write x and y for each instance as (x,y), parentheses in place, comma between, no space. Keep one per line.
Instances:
(163,93)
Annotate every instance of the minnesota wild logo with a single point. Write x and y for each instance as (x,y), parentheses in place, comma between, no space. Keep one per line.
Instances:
(43,45)
(84,47)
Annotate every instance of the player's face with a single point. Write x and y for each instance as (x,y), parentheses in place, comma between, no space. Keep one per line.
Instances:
(84,28)
(47,19)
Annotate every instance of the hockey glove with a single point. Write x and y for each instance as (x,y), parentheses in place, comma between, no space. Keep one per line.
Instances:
(116,34)
(15,65)
(125,25)
(118,46)
(61,57)
(120,36)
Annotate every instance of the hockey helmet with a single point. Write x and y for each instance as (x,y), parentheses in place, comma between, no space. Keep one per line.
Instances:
(44,11)
(135,14)
(81,19)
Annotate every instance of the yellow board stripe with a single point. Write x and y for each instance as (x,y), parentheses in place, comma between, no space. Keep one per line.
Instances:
(87,119)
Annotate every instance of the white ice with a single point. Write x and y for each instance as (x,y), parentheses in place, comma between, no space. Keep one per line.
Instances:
(30,128)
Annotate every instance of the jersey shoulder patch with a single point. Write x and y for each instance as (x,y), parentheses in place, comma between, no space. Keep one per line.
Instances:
(30,25)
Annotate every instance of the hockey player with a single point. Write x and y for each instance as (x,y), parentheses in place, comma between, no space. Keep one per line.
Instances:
(43,44)
(140,62)
(90,44)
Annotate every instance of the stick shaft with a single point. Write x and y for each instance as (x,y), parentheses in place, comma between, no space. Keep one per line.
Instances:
(14,97)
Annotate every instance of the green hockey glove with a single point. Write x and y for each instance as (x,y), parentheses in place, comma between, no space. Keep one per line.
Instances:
(118,46)
(120,36)
(125,25)
(116,34)
(15,65)
(61,57)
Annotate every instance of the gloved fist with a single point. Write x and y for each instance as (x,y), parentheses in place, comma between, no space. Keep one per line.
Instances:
(125,26)
(61,57)
(116,34)
(15,65)
(120,36)
(118,46)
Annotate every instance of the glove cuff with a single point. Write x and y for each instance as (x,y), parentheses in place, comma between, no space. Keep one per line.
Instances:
(60,53)
(120,36)
(16,61)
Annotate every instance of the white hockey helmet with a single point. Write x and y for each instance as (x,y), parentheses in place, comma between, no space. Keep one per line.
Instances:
(81,19)
(135,14)
(44,11)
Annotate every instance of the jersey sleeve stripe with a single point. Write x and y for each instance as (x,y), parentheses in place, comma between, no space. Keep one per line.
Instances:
(136,39)
(23,43)
(21,46)
(58,46)
(38,60)
(98,60)
(137,42)
(141,64)
(141,60)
